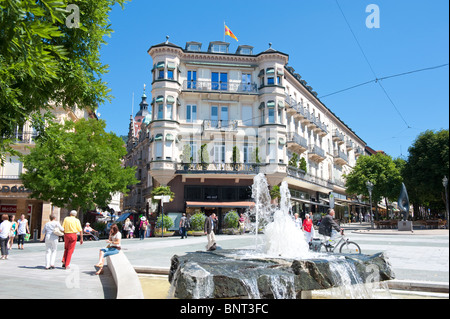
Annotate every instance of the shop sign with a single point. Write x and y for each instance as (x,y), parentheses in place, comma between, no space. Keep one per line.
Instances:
(13,189)
(12,209)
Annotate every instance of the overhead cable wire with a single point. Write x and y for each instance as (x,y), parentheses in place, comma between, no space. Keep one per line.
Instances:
(370,65)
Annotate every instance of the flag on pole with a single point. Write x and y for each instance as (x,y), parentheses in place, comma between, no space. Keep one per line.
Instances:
(231,34)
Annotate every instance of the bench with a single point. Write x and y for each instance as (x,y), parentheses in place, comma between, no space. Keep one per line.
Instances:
(126,279)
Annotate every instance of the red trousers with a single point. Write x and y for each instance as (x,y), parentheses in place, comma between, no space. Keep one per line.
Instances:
(70,241)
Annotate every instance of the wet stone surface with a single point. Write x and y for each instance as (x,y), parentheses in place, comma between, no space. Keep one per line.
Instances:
(246,274)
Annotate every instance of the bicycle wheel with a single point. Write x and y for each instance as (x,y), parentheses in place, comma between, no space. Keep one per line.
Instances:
(350,247)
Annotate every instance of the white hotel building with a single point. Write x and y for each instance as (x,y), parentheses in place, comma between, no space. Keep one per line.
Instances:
(217,118)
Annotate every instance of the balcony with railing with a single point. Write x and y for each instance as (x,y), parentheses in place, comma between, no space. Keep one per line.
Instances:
(303,176)
(359,151)
(222,87)
(26,137)
(296,142)
(340,157)
(218,168)
(321,127)
(220,125)
(349,144)
(338,137)
(316,153)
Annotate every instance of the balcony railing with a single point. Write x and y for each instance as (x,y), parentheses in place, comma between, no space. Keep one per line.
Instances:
(232,87)
(301,175)
(218,168)
(316,150)
(319,124)
(340,156)
(338,136)
(23,137)
(219,125)
(297,139)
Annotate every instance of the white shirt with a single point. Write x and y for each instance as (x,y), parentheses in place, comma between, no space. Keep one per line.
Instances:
(5,227)
(49,228)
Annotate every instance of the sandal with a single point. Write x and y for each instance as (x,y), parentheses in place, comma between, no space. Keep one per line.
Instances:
(100,265)
(99,272)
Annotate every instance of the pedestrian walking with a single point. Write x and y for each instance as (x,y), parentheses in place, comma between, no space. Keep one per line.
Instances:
(209,232)
(242,224)
(143,227)
(113,247)
(71,226)
(127,227)
(183,226)
(308,228)
(297,221)
(13,231)
(51,241)
(22,230)
(5,229)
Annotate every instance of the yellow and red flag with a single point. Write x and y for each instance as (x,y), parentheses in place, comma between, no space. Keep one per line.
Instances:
(231,34)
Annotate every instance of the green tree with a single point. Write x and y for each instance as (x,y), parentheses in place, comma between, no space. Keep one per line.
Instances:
(45,61)
(427,164)
(381,170)
(77,165)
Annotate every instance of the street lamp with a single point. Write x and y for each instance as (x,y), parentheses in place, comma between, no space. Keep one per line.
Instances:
(369,186)
(445,183)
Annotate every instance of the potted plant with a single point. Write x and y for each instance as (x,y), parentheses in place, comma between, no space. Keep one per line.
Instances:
(186,158)
(302,164)
(235,158)
(231,223)
(168,223)
(293,162)
(275,193)
(204,156)
(197,222)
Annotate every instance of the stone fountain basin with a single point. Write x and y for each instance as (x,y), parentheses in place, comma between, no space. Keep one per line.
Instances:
(246,274)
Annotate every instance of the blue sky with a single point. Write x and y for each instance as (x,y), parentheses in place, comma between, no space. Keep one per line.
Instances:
(412,35)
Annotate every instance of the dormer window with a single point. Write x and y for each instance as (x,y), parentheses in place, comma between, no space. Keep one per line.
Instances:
(244,50)
(193,46)
(218,47)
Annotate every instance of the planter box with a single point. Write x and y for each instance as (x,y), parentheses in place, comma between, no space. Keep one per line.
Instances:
(195,233)
(158,233)
(230,231)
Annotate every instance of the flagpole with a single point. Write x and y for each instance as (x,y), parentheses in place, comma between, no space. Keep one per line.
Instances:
(224,30)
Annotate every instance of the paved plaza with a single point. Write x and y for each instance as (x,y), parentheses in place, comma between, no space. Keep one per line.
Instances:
(421,256)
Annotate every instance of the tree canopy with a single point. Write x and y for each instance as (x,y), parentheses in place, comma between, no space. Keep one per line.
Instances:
(379,169)
(77,165)
(47,60)
(427,164)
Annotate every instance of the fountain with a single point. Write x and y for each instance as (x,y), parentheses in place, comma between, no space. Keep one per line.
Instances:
(282,267)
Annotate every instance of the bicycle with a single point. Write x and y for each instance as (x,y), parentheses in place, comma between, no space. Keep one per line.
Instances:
(346,246)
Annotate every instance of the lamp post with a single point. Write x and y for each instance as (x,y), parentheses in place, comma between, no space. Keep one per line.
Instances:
(445,183)
(369,186)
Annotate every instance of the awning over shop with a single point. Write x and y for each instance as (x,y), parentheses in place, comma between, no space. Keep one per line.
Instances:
(122,217)
(309,202)
(221,204)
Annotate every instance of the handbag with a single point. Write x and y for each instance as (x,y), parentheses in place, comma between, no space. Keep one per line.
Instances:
(57,232)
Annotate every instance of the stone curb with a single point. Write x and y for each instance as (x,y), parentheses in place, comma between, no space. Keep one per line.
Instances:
(127,281)
(424,286)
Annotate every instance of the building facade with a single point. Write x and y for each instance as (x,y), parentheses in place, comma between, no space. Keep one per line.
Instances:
(218,118)
(14,198)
